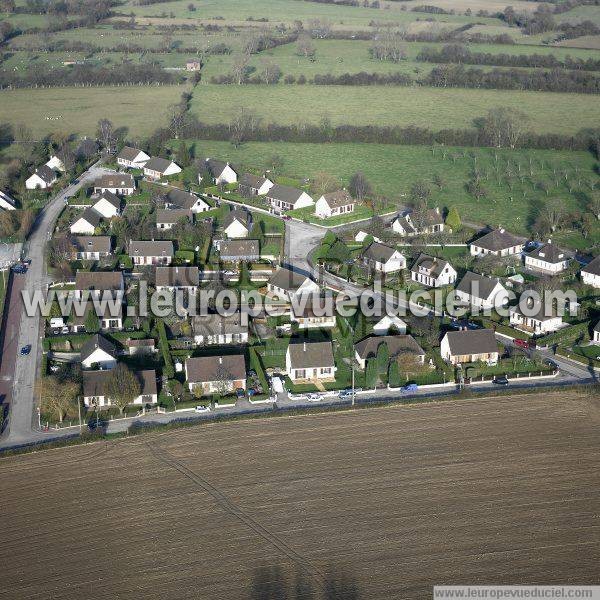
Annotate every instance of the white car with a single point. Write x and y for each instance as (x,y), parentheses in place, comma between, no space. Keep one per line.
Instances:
(202,409)
(313,397)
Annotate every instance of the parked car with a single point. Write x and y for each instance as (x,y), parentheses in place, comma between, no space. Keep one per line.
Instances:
(286,218)
(26,350)
(501,380)
(345,395)
(240,393)
(552,363)
(202,409)
(313,397)
(19,269)
(408,388)
(521,344)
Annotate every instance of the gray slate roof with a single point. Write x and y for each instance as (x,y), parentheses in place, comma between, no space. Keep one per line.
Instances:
(46,173)
(434,265)
(93,243)
(397,344)
(175,215)
(177,276)
(379,252)
(182,199)
(338,198)
(216,167)
(473,282)
(285,193)
(473,341)
(239,248)
(109,197)
(307,355)
(129,153)
(237,214)
(497,240)
(549,253)
(203,369)
(158,164)
(253,181)
(97,342)
(95,382)
(287,280)
(115,180)
(151,248)
(99,280)
(215,324)
(90,215)
(593,267)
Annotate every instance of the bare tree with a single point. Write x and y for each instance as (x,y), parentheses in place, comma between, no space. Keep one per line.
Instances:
(106,133)
(504,126)
(594,204)
(360,187)
(270,72)
(324,183)
(123,386)
(239,66)
(305,46)
(57,398)
(242,125)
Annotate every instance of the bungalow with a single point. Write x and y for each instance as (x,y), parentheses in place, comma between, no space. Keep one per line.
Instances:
(396,345)
(239,250)
(156,168)
(590,274)
(287,284)
(122,184)
(167,219)
(596,334)
(95,384)
(251,185)
(538,324)
(136,347)
(98,282)
(467,346)
(334,203)
(186,200)
(382,258)
(314,312)
(177,278)
(6,202)
(432,272)
(310,360)
(237,223)
(411,223)
(110,318)
(282,197)
(87,222)
(388,324)
(547,259)
(497,242)
(98,353)
(215,374)
(42,178)
(481,292)
(221,172)
(91,247)
(151,252)
(132,158)
(107,205)
(56,164)
(216,329)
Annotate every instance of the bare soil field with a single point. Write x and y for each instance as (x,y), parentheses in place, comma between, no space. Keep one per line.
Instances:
(379,503)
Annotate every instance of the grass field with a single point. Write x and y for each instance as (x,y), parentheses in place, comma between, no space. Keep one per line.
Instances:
(435,108)
(140,109)
(498,491)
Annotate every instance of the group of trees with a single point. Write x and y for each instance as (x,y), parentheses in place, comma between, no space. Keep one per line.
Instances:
(388,45)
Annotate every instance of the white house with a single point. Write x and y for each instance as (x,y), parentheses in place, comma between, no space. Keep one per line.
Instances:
(221,172)
(213,329)
(86,223)
(480,292)
(547,259)
(397,345)
(314,312)
(6,202)
(432,272)
(167,219)
(121,184)
(156,168)
(590,274)
(177,278)
(91,247)
(411,223)
(283,197)
(251,185)
(215,374)
(334,204)
(98,282)
(388,324)
(383,259)
(42,179)
(132,158)
(467,346)
(310,360)
(56,164)
(109,318)
(95,384)
(287,284)
(107,205)
(538,323)
(98,353)
(596,336)
(237,224)
(178,199)
(497,242)
(145,253)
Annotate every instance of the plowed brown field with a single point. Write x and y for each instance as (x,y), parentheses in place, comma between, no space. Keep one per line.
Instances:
(368,504)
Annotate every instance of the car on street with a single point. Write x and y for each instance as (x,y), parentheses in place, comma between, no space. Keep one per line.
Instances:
(26,350)
(410,387)
(286,218)
(501,380)
(552,363)
(521,343)
(19,269)
(345,394)
(240,393)
(202,409)
(313,397)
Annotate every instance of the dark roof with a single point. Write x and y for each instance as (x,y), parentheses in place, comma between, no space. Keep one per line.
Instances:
(216,167)
(305,355)
(145,343)
(158,164)
(472,341)
(473,282)
(97,342)
(99,280)
(46,173)
(379,252)
(549,253)
(497,240)
(109,197)
(287,280)
(338,198)
(164,215)
(182,199)
(597,327)
(129,153)
(151,248)
(203,369)
(237,214)
(593,267)
(115,180)
(239,248)
(397,344)
(435,266)
(252,181)
(177,276)
(215,324)
(285,193)
(325,306)
(92,216)
(95,382)
(95,243)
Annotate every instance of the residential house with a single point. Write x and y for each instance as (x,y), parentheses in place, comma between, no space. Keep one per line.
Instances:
(215,329)
(98,353)
(309,361)
(548,259)
(137,347)
(121,184)
(590,274)
(287,284)
(87,222)
(334,204)
(239,250)
(538,323)
(43,178)
(361,236)
(314,312)
(109,315)
(98,282)
(132,158)
(177,278)
(481,292)
(6,202)
(56,164)
(215,374)
(497,242)
(397,345)
(252,185)
(431,271)
(467,346)
(107,204)
(411,223)
(156,168)
(167,219)
(389,324)
(95,385)
(186,200)
(193,65)
(383,259)
(596,334)
(282,198)
(220,171)
(237,223)
(153,252)
(92,247)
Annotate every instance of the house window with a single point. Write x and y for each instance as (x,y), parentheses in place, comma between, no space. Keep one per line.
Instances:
(300,373)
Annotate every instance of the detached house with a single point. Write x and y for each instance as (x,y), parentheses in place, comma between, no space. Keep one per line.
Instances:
(187,201)
(177,278)
(237,223)
(383,259)
(590,274)
(282,198)
(87,222)
(137,347)
(432,272)
(547,259)
(107,205)
(98,282)
(98,353)
(132,158)
(389,324)
(56,164)
(109,317)
(481,292)
(43,178)
(239,250)
(314,312)
(538,323)
(215,374)
(156,168)
(334,204)
(287,284)
(498,243)
(467,346)
(410,223)
(215,329)
(167,219)
(151,252)
(221,172)
(91,247)
(310,360)
(396,344)
(251,185)
(95,386)
(121,184)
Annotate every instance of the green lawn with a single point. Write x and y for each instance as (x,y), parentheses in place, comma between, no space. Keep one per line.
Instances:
(361,212)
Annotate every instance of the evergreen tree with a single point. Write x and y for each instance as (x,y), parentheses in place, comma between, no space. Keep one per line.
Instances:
(92,322)
(371,373)
(383,358)
(453,219)
(394,374)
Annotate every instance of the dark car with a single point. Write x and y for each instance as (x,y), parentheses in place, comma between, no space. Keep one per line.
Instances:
(25,350)
(501,381)
(19,269)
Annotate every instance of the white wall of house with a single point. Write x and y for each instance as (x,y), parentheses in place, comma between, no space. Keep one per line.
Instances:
(35,182)
(56,164)
(596,337)
(303,201)
(200,206)
(223,338)
(81,226)
(316,372)
(118,191)
(105,208)
(99,359)
(537,325)
(151,260)
(236,230)
(446,277)
(265,187)
(478,251)
(228,175)
(106,401)
(491,358)
(497,296)
(137,163)
(325,322)
(324,211)
(542,265)
(383,326)
(590,279)
(396,262)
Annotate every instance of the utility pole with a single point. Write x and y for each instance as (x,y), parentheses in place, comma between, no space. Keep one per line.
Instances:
(79,412)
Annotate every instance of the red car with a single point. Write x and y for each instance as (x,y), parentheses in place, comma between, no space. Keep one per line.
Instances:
(522,343)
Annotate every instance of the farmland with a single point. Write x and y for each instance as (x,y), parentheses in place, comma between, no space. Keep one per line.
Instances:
(443,490)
